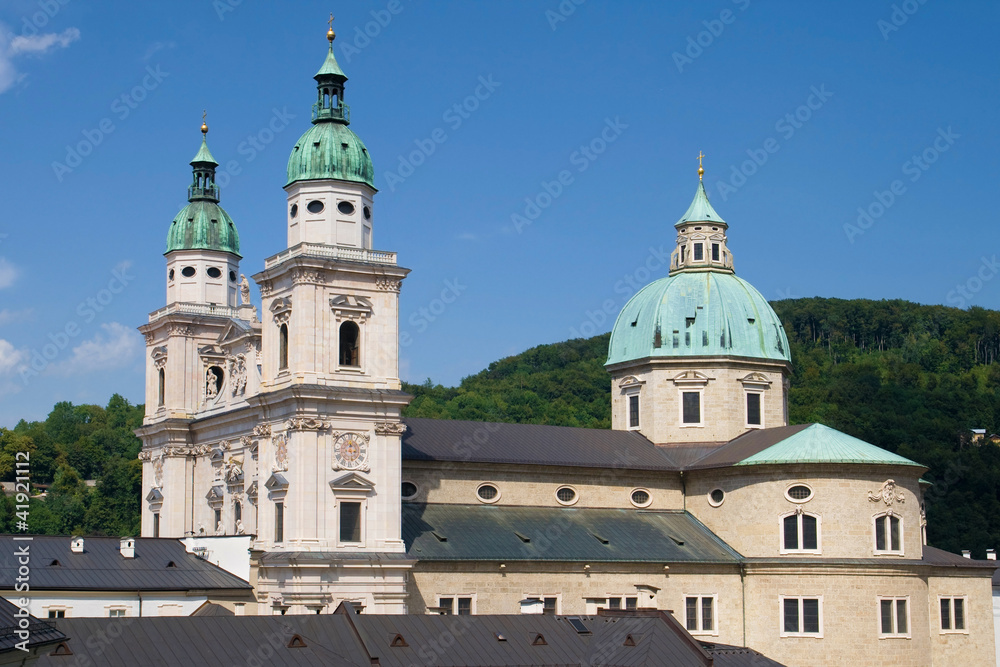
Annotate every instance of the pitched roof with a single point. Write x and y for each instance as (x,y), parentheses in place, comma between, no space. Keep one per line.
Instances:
(40,633)
(513,533)
(102,567)
(821,444)
(941,558)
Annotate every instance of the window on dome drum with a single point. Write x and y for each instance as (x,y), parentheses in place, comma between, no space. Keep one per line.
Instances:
(683,252)
(214,272)
(691,407)
(161,387)
(699,613)
(408,489)
(888,534)
(753,409)
(294,211)
(283,347)
(800,533)
(640,497)
(188,271)
(279,522)
(565,494)
(350,522)
(893,617)
(488,492)
(715,252)
(801,616)
(315,206)
(345,207)
(633,411)
(699,252)
(952,614)
(349,353)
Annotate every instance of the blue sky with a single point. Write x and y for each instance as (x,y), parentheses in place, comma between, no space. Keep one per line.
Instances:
(807,112)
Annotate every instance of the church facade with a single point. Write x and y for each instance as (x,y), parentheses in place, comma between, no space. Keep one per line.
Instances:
(286,424)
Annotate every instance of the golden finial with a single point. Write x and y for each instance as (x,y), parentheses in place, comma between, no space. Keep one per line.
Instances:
(204,125)
(330,34)
(701,170)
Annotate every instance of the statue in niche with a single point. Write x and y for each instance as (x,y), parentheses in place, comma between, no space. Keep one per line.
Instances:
(220,529)
(240,530)
(211,384)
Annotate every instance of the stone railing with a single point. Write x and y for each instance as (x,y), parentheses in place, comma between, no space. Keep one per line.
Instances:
(194,309)
(332,252)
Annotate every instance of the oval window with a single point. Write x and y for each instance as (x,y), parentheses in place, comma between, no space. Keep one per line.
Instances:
(346,207)
(187,271)
(368,213)
(799,493)
(640,498)
(488,493)
(295,210)
(315,206)
(170,275)
(566,495)
(232,276)
(213,272)
(408,489)
(716,497)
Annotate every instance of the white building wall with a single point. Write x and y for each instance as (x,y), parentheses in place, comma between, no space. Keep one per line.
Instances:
(99,604)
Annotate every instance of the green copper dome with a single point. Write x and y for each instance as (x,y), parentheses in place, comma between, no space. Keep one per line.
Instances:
(203,225)
(330,150)
(698,314)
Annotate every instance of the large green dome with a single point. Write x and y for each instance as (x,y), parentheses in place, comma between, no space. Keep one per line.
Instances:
(203,225)
(698,314)
(330,150)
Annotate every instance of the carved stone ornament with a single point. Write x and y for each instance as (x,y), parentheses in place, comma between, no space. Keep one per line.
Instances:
(266,288)
(388,284)
(159,355)
(238,374)
(145,455)
(306,424)
(300,276)
(158,471)
(245,440)
(262,430)
(185,450)
(149,338)
(390,428)
(887,494)
(281,310)
(280,453)
(226,445)
(234,471)
(180,330)
(347,307)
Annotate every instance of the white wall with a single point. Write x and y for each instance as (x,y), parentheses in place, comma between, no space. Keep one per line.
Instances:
(99,603)
(230,552)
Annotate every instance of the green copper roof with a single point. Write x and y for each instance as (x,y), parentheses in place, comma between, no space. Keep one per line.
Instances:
(330,66)
(713,314)
(204,155)
(822,444)
(330,150)
(203,225)
(700,209)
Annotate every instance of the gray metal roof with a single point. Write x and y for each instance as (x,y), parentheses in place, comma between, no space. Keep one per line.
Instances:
(102,567)
(513,533)
(744,446)
(40,633)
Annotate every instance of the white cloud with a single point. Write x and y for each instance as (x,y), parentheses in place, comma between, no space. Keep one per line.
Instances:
(22,45)
(115,347)
(156,47)
(10,357)
(8,273)
(15,316)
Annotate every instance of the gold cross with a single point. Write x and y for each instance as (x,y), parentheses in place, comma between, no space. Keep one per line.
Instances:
(331,21)
(204,113)
(700,156)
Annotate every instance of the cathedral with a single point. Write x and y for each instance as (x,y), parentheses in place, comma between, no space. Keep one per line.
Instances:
(285,425)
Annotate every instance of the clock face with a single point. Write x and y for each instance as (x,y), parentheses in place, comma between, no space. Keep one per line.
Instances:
(350,450)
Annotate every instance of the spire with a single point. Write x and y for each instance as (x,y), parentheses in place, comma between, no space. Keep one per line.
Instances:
(203,186)
(700,209)
(701,235)
(330,84)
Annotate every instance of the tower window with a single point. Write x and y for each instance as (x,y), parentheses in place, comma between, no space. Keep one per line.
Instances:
(683,252)
(214,272)
(691,407)
(715,252)
(699,252)
(368,213)
(349,353)
(315,206)
(161,387)
(283,347)
(633,412)
(232,276)
(188,271)
(170,274)
(294,211)
(279,522)
(346,207)
(753,409)
(350,522)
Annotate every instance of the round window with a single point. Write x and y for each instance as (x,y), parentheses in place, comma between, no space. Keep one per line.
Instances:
(295,210)
(213,272)
(232,276)
(368,213)
(640,498)
(315,206)
(566,495)
(170,275)
(187,271)
(345,207)
(799,493)
(409,489)
(488,493)
(715,497)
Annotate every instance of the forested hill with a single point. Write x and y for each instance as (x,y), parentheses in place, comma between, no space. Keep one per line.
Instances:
(907,377)
(910,378)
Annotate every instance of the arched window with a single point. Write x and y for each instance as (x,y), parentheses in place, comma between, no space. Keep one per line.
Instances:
(283,347)
(888,533)
(800,533)
(349,335)
(161,388)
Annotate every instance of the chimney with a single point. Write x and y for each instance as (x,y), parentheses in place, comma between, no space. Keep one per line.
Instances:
(76,544)
(966,553)
(991,554)
(127,547)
